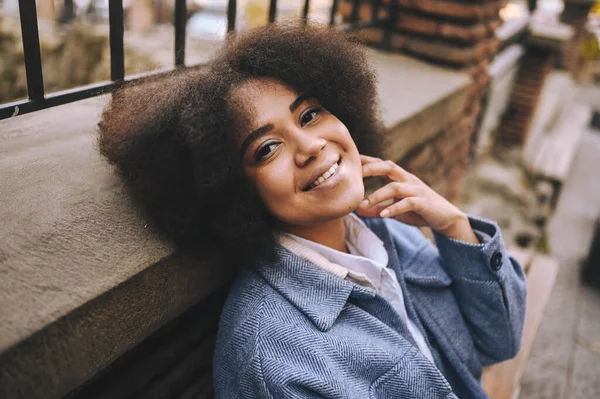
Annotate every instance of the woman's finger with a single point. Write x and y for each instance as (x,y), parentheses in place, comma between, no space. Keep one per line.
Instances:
(409,204)
(388,192)
(385,168)
(373,211)
(365,159)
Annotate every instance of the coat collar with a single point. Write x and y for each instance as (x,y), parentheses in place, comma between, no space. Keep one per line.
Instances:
(411,252)
(319,295)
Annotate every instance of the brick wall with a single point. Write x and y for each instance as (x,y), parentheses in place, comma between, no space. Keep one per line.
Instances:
(451,33)
(575,14)
(442,161)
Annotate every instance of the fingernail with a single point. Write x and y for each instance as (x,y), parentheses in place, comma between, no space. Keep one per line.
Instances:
(384,213)
(364,203)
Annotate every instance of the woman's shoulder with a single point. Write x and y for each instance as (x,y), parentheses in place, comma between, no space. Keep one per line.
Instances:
(251,305)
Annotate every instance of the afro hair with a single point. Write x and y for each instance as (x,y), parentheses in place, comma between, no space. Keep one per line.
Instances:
(171,138)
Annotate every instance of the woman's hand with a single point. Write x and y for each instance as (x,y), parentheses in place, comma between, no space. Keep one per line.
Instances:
(409,200)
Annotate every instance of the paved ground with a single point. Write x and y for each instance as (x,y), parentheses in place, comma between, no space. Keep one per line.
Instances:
(565,362)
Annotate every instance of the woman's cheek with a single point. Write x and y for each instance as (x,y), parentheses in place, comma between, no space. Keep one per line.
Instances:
(275,187)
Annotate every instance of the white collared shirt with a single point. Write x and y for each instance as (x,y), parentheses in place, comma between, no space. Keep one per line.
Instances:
(366,264)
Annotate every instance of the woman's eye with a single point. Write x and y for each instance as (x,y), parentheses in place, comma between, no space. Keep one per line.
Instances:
(265,151)
(309,116)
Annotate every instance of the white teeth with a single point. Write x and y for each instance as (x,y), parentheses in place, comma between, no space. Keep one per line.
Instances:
(326,175)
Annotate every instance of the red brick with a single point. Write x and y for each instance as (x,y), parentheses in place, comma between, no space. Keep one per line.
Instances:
(422,159)
(453,9)
(431,27)
(364,13)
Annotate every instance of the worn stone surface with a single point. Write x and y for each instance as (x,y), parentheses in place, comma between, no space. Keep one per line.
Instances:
(407,86)
(84,276)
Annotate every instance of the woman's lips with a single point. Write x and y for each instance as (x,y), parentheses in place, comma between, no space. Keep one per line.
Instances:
(333,174)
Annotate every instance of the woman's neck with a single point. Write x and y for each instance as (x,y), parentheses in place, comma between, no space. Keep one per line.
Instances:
(332,234)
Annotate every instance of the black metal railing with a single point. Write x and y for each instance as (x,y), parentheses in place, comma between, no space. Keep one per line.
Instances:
(38,99)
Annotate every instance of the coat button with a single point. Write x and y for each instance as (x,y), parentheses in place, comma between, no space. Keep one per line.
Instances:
(496,261)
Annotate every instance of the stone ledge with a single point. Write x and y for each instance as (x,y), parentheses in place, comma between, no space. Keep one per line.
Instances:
(417,99)
(550,36)
(84,277)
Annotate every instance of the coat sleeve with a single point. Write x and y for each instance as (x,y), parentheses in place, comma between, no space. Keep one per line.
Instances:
(490,288)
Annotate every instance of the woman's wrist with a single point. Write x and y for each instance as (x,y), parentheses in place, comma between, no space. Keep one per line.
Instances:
(460,230)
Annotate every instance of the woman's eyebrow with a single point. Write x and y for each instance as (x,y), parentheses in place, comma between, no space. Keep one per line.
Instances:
(298,101)
(254,135)
(269,126)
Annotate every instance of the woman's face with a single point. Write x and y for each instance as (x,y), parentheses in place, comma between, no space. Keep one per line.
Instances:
(301,159)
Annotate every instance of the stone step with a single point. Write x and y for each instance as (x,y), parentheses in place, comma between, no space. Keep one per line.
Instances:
(555,151)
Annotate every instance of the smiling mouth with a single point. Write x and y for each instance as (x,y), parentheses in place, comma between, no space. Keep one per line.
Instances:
(324,177)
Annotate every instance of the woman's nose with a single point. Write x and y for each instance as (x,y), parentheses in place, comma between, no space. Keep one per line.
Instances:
(308,146)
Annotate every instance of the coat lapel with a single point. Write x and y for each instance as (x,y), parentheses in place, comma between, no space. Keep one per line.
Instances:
(427,292)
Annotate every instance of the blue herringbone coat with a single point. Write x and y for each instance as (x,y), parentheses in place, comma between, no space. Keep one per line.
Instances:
(291,330)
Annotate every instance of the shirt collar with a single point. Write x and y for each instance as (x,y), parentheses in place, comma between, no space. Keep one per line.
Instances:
(361,241)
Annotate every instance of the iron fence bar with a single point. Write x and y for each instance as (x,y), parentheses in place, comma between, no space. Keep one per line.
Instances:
(231,15)
(334,7)
(305,11)
(355,9)
(26,106)
(390,24)
(68,12)
(375,6)
(31,44)
(180,25)
(117,51)
(22,107)
(272,10)
(31,49)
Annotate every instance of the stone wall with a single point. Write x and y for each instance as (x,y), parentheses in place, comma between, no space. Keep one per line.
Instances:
(442,161)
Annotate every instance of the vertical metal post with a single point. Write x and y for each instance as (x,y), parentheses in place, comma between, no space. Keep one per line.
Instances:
(334,7)
(390,24)
(305,11)
(180,25)
(355,9)
(31,49)
(68,12)
(117,52)
(376,5)
(231,15)
(272,11)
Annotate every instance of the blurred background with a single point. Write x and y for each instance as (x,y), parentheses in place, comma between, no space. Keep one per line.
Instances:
(494,103)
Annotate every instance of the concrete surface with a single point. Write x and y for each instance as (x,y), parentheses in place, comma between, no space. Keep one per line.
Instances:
(565,361)
(83,277)
(417,99)
(408,86)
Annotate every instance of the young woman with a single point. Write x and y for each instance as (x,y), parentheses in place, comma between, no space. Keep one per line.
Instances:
(338,296)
